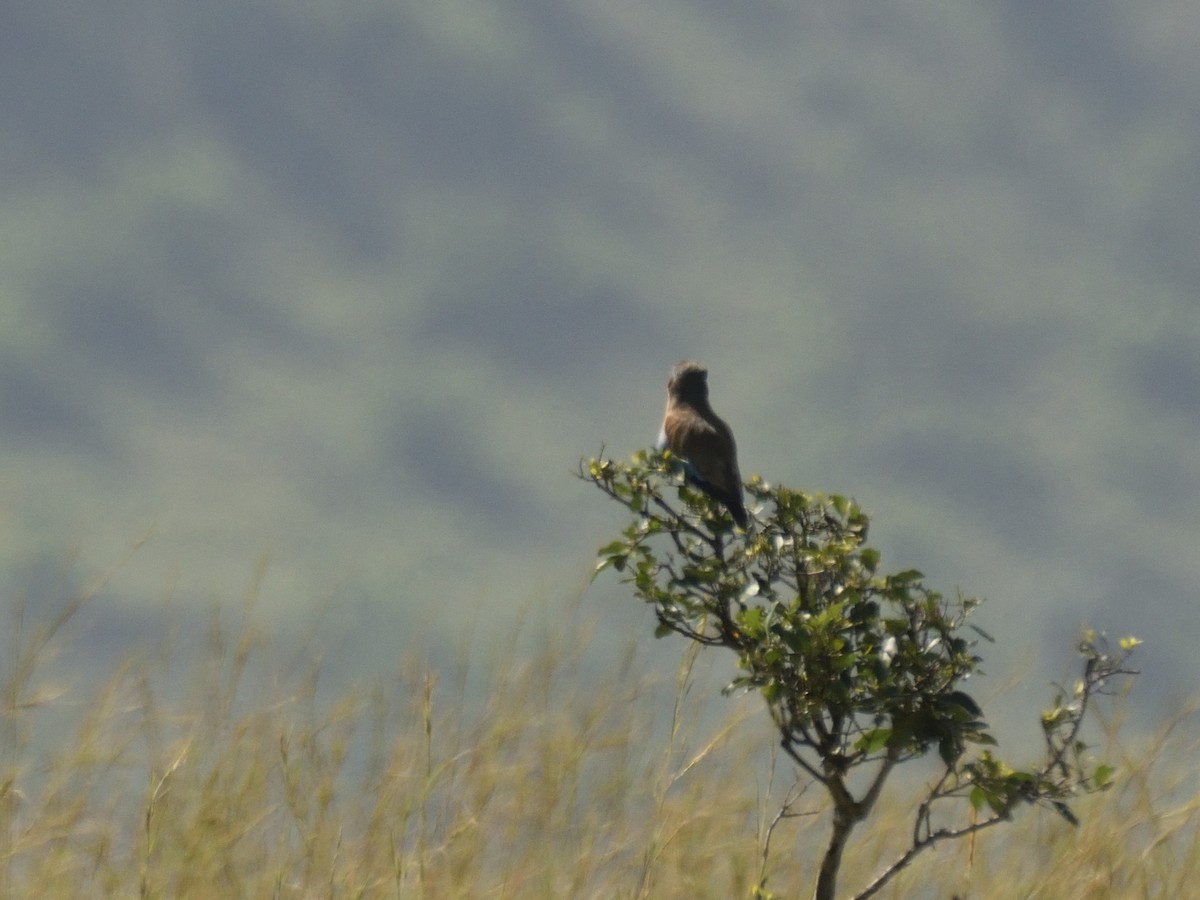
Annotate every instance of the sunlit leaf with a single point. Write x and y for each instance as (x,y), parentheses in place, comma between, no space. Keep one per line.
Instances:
(874,740)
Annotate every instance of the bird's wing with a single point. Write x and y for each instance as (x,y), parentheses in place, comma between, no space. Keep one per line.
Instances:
(706,445)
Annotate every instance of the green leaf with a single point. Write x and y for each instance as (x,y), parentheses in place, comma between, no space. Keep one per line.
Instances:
(874,740)
(864,611)
(963,701)
(995,802)
(949,749)
(977,798)
(662,630)
(614,562)
(751,621)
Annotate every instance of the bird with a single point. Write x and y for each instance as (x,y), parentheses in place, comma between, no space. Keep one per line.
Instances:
(701,439)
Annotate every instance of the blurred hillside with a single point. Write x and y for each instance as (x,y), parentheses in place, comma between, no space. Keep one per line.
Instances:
(357,285)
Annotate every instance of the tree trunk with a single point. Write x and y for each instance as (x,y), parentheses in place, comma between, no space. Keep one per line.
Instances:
(844,821)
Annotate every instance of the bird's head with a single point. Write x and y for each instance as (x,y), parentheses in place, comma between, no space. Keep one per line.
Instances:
(688,382)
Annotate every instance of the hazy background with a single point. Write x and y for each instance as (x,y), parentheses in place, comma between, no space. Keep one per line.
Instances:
(356,284)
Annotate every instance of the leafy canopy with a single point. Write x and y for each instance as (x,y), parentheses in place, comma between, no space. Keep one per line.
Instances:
(859,661)
(859,669)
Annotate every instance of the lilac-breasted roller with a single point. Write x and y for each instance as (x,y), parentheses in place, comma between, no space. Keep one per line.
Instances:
(701,439)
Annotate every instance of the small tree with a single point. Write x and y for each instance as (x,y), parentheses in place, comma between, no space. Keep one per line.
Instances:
(860,671)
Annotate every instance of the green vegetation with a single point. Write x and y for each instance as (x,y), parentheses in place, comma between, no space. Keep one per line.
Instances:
(860,671)
(218,767)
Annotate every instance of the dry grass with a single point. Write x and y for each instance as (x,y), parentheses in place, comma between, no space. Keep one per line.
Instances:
(246,782)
